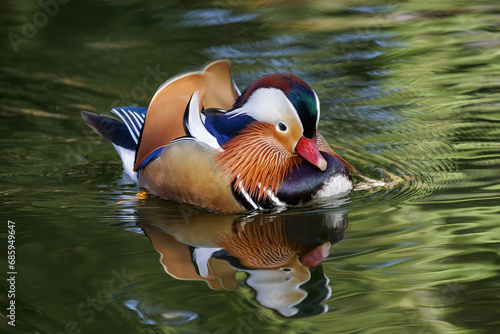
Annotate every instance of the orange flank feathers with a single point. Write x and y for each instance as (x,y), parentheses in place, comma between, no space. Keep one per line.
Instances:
(257,160)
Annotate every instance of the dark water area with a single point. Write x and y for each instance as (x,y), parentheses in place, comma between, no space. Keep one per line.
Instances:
(410,95)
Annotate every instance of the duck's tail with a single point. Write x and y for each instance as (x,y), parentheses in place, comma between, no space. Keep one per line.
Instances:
(123,134)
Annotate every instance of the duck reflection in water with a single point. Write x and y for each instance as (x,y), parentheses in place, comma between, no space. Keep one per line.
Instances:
(281,254)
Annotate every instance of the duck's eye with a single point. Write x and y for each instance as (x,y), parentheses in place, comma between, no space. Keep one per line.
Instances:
(282,127)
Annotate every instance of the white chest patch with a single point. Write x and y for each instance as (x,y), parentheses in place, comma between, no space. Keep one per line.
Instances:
(336,185)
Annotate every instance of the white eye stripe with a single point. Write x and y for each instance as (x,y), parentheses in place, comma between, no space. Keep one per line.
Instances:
(269,105)
(317,108)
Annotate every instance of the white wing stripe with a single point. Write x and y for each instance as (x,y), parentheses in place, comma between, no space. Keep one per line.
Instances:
(120,114)
(196,126)
(131,129)
(138,120)
(133,120)
(133,125)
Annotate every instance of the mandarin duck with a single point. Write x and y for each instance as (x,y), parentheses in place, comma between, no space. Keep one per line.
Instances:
(204,143)
(282,255)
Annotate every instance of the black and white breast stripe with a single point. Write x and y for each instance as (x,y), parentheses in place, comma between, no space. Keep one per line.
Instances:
(251,204)
(134,120)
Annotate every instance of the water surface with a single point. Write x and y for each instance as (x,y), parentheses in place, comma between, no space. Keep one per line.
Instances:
(409,95)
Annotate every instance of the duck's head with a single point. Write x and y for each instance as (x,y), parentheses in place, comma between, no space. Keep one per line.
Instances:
(272,128)
(289,110)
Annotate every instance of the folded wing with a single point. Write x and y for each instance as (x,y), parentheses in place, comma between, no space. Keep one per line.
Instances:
(165,116)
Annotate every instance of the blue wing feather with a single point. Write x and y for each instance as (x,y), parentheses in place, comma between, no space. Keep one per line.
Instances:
(225,126)
(133,117)
(155,154)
